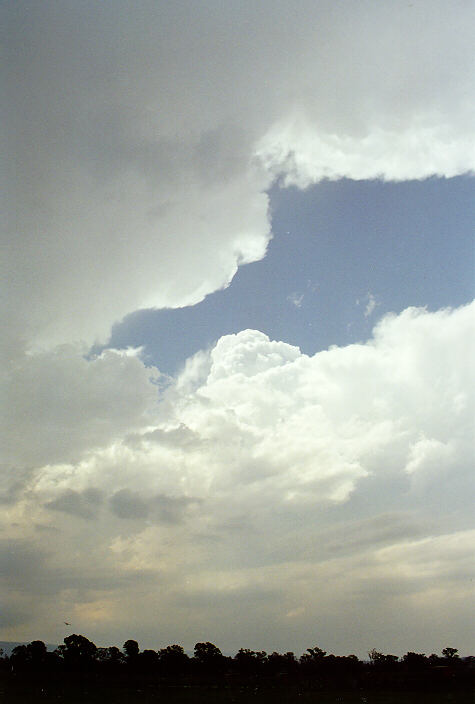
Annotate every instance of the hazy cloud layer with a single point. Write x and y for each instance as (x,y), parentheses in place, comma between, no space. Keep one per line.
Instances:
(60,405)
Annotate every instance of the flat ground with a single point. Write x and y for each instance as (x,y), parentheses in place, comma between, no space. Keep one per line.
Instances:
(219,695)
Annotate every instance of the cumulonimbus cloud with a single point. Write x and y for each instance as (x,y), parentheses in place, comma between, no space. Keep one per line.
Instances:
(142,140)
(258,420)
(252,445)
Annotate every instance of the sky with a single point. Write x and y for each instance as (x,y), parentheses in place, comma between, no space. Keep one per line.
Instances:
(238,274)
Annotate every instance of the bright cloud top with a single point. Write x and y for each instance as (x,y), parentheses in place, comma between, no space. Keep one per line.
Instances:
(265,417)
(260,416)
(250,440)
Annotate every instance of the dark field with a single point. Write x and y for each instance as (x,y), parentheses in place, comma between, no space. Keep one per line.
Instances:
(220,695)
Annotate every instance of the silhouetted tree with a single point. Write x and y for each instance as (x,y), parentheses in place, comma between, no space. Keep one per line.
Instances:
(173,659)
(313,655)
(77,651)
(111,658)
(374,655)
(450,653)
(148,660)
(378,658)
(19,657)
(113,654)
(313,665)
(415,661)
(250,662)
(207,652)
(208,658)
(37,651)
(31,657)
(281,664)
(312,660)
(131,649)
(79,665)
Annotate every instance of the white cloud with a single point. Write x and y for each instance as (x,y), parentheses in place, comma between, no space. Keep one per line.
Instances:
(225,492)
(301,153)
(296,299)
(370,305)
(257,418)
(142,141)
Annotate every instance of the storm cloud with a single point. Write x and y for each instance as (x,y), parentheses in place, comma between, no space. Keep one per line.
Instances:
(142,143)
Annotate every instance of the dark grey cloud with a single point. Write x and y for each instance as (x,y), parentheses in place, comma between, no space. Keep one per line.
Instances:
(84,504)
(85,581)
(171,509)
(11,615)
(132,505)
(129,504)
(356,536)
(12,483)
(19,560)
(36,583)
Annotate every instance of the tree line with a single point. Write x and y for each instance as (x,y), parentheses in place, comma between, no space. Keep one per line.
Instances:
(78,657)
